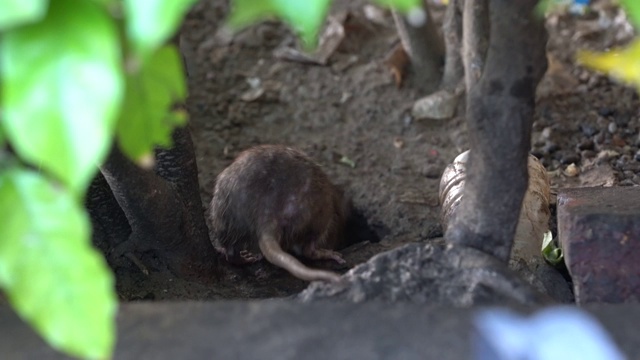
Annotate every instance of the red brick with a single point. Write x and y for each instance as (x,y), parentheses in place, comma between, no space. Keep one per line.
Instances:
(599,232)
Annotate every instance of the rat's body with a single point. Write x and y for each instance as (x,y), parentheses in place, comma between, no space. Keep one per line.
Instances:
(273,200)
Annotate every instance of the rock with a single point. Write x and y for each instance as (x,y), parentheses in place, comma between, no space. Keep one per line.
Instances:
(551,147)
(588,154)
(588,129)
(430,274)
(612,127)
(439,105)
(569,157)
(288,330)
(606,111)
(586,144)
(599,232)
(572,170)
(543,277)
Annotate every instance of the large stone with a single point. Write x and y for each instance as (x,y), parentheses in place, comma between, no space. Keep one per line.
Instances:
(439,105)
(432,273)
(599,232)
(288,330)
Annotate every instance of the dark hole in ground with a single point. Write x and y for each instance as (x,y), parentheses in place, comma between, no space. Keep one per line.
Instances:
(358,230)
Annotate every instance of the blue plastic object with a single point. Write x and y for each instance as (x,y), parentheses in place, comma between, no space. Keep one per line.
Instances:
(556,333)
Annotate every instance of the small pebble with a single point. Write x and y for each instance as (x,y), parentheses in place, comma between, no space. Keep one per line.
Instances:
(637,156)
(572,170)
(622,120)
(569,158)
(622,161)
(632,166)
(605,155)
(582,88)
(618,141)
(602,122)
(612,127)
(586,144)
(626,182)
(546,133)
(588,154)
(606,111)
(588,129)
(584,76)
(551,147)
(407,120)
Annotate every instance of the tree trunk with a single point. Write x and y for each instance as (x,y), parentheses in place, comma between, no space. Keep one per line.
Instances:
(424,46)
(500,109)
(163,208)
(475,39)
(452,29)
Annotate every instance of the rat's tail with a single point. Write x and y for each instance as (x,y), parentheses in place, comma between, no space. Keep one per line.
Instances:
(273,252)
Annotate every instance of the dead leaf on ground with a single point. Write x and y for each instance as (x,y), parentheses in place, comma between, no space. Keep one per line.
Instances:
(397,60)
(557,80)
(594,174)
(376,15)
(259,90)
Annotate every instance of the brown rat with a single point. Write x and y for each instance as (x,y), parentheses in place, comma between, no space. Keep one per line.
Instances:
(273,200)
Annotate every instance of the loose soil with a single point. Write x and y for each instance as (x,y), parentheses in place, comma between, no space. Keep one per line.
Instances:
(352,118)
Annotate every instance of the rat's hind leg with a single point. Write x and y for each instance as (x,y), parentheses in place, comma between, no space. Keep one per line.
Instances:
(248,257)
(240,258)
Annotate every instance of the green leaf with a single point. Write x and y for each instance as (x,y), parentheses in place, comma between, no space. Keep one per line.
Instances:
(550,251)
(61,88)
(146,119)
(545,7)
(50,273)
(107,3)
(623,64)
(17,12)
(401,5)
(150,23)
(306,17)
(632,7)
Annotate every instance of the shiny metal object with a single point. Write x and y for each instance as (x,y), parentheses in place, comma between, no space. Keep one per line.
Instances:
(534,214)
